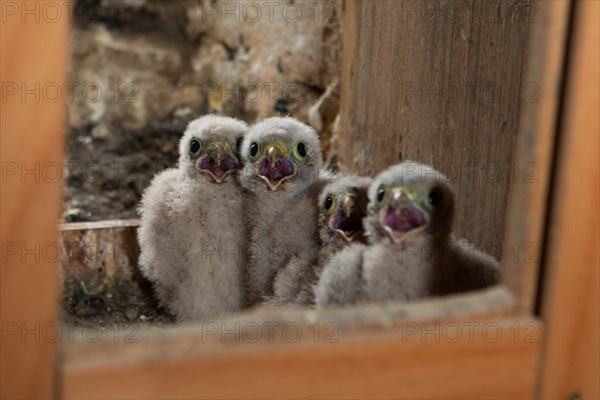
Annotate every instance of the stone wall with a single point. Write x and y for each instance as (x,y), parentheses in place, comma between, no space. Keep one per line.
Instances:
(142,69)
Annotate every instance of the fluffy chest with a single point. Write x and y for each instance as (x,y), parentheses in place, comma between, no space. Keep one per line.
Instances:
(208,211)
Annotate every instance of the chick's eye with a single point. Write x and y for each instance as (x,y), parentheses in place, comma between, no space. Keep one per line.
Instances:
(194,146)
(253,149)
(380,194)
(328,203)
(435,197)
(301,149)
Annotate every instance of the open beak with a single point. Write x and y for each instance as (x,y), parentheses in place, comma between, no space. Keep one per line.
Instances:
(402,216)
(347,221)
(275,168)
(218,163)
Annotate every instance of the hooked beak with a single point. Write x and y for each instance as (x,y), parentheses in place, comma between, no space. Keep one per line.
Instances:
(275,168)
(273,154)
(348,204)
(218,163)
(402,216)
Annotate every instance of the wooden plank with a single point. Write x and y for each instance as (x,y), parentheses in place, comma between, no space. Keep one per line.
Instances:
(571,307)
(440,83)
(33,63)
(99,275)
(535,145)
(410,360)
(100,225)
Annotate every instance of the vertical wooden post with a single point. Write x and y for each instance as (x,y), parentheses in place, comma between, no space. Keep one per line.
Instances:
(571,306)
(439,83)
(34,56)
(523,244)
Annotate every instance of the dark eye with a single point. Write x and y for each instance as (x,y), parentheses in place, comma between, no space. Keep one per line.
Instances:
(301,149)
(253,149)
(194,146)
(328,203)
(435,197)
(380,194)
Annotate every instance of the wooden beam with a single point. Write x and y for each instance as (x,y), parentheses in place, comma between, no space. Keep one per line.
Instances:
(526,218)
(571,306)
(439,83)
(409,360)
(33,64)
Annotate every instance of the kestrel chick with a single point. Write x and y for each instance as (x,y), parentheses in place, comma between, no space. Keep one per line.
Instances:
(282,177)
(192,237)
(412,252)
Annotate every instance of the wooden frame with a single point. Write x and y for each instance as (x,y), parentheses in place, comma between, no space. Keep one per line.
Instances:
(365,364)
(571,292)
(32,137)
(396,350)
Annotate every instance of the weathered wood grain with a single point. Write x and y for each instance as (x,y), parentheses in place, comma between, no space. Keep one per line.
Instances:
(523,245)
(100,279)
(440,83)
